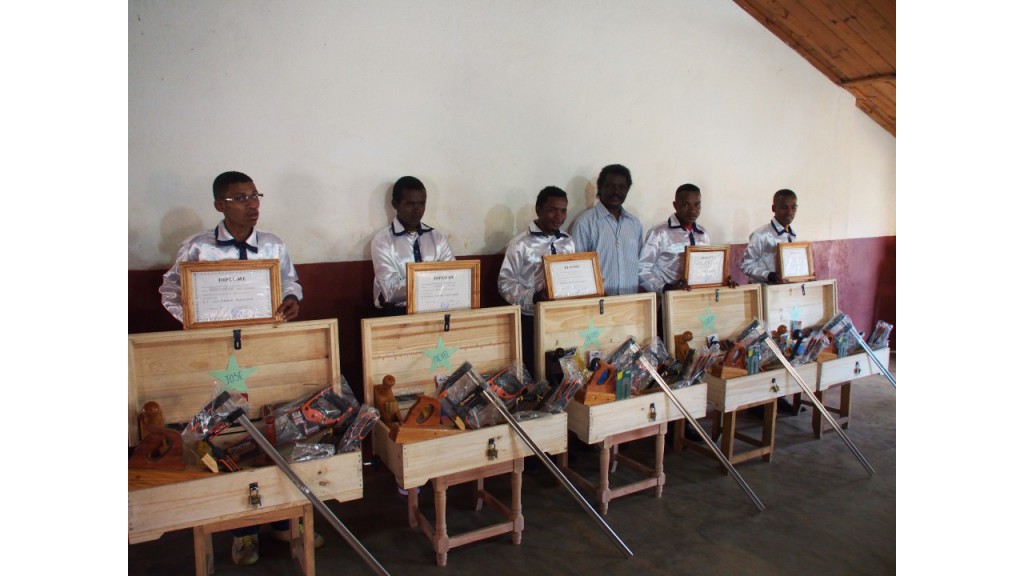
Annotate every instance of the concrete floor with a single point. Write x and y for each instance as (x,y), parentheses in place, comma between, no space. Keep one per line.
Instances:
(824,515)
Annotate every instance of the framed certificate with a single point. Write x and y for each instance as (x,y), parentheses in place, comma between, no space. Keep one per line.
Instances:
(229,293)
(573,275)
(706,266)
(795,261)
(441,286)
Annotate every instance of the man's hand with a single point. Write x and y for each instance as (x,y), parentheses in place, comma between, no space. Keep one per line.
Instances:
(288,310)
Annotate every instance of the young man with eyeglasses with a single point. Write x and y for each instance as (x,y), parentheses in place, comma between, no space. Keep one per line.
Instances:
(406,240)
(236,238)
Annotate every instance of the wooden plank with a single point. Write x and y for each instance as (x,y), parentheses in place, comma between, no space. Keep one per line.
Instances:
(592,424)
(863,57)
(873,21)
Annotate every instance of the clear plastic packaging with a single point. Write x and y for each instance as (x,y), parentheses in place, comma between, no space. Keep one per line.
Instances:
(358,428)
(880,335)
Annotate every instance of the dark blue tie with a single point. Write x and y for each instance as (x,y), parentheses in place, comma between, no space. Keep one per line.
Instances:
(553,251)
(693,242)
(243,248)
(416,250)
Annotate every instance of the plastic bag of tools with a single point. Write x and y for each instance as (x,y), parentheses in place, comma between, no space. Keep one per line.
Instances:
(630,372)
(462,398)
(214,418)
(573,377)
(301,429)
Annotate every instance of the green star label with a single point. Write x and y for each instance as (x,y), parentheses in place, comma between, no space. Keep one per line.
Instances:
(591,336)
(440,356)
(233,377)
(707,321)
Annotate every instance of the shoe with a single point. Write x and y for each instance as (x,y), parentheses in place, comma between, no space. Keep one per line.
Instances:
(245,550)
(691,434)
(285,535)
(786,408)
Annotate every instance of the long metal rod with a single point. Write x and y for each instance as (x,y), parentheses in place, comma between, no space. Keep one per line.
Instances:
(700,430)
(489,394)
(814,399)
(317,503)
(871,354)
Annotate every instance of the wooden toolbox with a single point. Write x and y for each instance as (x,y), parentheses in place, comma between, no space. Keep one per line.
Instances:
(180,371)
(813,304)
(604,323)
(724,312)
(416,348)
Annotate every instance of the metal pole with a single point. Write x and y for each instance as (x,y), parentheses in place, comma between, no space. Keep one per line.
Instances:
(489,395)
(700,429)
(871,354)
(317,503)
(814,399)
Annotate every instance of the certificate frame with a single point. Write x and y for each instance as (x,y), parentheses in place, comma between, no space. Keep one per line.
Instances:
(795,261)
(423,281)
(262,285)
(563,285)
(696,261)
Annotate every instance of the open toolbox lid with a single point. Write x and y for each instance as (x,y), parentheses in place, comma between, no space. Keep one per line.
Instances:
(181,370)
(811,303)
(417,347)
(705,311)
(598,323)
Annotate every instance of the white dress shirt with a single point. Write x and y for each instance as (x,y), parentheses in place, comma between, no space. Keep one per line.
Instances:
(660,256)
(218,244)
(522,272)
(617,243)
(394,247)
(760,258)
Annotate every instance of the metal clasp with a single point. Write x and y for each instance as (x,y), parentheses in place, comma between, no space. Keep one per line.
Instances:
(803,289)
(652,412)
(601,305)
(255,500)
(774,387)
(237,337)
(716,294)
(447,322)
(492,450)
(856,367)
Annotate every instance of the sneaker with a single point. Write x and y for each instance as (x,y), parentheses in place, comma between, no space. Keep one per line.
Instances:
(285,535)
(245,550)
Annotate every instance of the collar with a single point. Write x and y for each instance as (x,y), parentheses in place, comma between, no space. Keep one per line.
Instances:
(603,212)
(673,222)
(398,230)
(536,231)
(221,234)
(779,230)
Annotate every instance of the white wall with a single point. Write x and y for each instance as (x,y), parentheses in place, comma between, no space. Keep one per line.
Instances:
(326,103)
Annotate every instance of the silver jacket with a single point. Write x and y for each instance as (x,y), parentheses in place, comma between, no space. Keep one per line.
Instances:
(522,272)
(760,257)
(204,247)
(660,256)
(392,249)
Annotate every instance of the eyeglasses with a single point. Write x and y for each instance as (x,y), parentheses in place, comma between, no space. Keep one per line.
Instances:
(244,199)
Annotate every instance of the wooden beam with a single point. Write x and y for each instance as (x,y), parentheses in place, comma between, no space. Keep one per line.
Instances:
(868,80)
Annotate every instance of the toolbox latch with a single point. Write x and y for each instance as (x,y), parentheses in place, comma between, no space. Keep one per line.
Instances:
(447,322)
(803,289)
(492,449)
(255,500)
(774,387)
(652,413)
(856,367)
(237,337)
(716,294)
(601,305)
